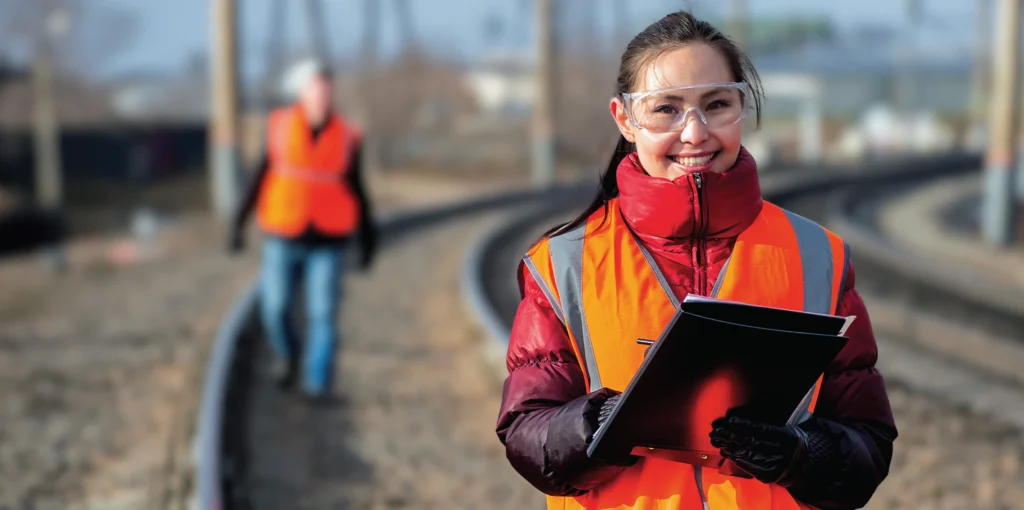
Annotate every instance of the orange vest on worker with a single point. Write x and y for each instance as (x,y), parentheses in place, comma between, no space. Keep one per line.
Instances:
(305,184)
(607,290)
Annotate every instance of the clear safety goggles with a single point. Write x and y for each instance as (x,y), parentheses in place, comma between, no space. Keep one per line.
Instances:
(663,110)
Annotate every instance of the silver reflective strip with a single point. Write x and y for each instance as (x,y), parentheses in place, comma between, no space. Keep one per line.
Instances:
(567,265)
(802,412)
(816,259)
(698,475)
(544,288)
(657,273)
(309,174)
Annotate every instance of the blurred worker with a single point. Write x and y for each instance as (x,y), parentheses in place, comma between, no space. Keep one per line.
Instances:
(310,200)
(680,211)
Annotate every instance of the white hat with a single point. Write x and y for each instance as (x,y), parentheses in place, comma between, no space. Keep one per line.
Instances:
(299,74)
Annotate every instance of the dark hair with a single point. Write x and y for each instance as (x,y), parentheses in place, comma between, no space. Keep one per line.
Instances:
(671,32)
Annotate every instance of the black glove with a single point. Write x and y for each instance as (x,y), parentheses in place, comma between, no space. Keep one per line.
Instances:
(368,247)
(236,242)
(606,408)
(770,453)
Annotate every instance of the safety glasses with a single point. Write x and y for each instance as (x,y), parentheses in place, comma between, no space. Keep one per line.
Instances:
(717,105)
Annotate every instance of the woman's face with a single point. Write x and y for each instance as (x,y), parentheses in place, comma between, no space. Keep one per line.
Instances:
(686,149)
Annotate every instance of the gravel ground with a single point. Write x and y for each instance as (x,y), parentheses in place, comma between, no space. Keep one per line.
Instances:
(948,458)
(98,366)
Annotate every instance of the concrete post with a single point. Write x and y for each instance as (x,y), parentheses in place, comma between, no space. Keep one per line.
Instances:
(998,204)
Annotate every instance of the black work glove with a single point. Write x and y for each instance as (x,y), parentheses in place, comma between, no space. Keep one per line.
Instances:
(770,453)
(236,242)
(368,247)
(572,430)
(606,409)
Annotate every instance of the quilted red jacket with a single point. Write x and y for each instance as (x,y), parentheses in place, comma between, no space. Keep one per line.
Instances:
(546,413)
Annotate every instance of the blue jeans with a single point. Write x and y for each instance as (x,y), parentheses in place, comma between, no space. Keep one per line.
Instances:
(284,262)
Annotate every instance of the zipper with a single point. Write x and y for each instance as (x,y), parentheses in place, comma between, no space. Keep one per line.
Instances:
(700,257)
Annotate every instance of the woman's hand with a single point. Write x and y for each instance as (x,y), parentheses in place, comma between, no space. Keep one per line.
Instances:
(770,453)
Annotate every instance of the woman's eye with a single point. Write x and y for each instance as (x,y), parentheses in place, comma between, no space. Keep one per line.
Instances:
(666,109)
(718,103)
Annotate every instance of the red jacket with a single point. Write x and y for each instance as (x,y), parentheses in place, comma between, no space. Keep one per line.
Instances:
(545,395)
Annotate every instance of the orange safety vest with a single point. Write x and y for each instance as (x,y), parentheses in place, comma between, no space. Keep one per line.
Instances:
(607,290)
(306,183)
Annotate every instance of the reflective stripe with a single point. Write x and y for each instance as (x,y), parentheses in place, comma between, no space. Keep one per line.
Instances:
(817,262)
(802,412)
(657,272)
(544,288)
(698,475)
(816,259)
(309,174)
(567,266)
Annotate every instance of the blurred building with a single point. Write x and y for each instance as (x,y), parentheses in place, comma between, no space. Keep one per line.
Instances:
(503,83)
(870,91)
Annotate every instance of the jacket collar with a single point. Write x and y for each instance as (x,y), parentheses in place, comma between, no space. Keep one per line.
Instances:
(722,206)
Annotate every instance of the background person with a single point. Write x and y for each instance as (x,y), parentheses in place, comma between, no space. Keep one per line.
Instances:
(310,200)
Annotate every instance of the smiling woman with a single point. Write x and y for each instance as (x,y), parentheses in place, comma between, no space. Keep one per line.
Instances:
(680,211)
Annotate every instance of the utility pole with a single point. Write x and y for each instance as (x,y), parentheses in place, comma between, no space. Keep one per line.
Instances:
(275,52)
(543,122)
(224,108)
(49,185)
(317,31)
(980,75)
(48,182)
(998,207)
(905,76)
(371,36)
(405,25)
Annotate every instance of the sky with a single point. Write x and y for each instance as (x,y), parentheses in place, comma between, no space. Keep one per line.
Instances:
(172,31)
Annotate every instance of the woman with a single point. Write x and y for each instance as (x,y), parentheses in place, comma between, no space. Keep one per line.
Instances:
(680,211)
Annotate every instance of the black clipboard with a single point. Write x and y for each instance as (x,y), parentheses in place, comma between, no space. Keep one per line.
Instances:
(716,355)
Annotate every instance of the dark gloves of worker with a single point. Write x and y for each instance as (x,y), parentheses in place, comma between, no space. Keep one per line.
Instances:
(236,242)
(572,429)
(783,455)
(367,245)
(606,408)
